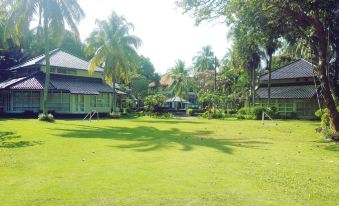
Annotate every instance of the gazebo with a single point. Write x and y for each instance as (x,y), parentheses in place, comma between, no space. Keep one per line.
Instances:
(177,103)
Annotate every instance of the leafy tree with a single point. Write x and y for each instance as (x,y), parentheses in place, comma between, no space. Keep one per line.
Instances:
(146,69)
(139,86)
(282,60)
(114,48)
(52,15)
(205,60)
(180,82)
(153,102)
(69,41)
(204,81)
(310,21)
(212,99)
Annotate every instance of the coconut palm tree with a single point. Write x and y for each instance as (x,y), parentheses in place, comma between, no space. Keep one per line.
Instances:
(52,16)
(205,60)
(114,48)
(180,82)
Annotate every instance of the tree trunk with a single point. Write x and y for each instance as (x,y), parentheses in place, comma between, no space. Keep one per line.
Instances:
(47,67)
(114,101)
(326,90)
(269,68)
(253,86)
(215,74)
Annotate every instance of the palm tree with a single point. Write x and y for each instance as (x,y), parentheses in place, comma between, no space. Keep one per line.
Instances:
(205,60)
(52,16)
(180,82)
(114,48)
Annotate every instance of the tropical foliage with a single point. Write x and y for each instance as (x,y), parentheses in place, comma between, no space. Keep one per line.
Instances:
(114,49)
(52,15)
(265,22)
(180,81)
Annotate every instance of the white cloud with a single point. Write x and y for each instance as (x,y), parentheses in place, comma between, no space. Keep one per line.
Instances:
(167,35)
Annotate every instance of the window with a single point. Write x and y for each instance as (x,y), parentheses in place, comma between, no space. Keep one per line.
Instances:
(285,106)
(101,100)
(26,101)
(58,101)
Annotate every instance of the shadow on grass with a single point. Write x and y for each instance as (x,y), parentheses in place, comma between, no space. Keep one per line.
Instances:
(6,141)
(145,139)
(334,147)
(170,121)
(328,145)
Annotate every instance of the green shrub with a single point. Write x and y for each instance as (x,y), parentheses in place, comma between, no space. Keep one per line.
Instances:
(46,118)
(115,115)
(152,103)
(326,123)
(245,113)
(254,112)
(161,115)
(319,113)
(230,111)
(189,112)
(141,113)
(213,114)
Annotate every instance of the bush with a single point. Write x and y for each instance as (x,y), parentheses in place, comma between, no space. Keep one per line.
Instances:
(46,118)
(162,115)
(254,112)
(318,113)
(326,123)
(115,115)
(153,102)
(213,114)
(245,113)
(141,113)
(230,111)
(189,112)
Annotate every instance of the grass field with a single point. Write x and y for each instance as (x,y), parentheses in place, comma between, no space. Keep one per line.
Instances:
(166,162)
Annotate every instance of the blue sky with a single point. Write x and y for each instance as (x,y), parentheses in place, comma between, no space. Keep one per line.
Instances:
(167,35)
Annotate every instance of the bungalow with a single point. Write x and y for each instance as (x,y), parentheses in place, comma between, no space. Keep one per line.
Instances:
(294,90)
(174,102)
(71,90)
(177,103)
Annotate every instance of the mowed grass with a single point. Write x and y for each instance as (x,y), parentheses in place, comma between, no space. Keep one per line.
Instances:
(166,162)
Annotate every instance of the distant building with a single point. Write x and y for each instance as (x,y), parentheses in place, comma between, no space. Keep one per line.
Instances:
(71,90)
(294,90)
(175,103)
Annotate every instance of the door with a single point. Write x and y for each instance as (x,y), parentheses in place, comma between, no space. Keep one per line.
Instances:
(79,103)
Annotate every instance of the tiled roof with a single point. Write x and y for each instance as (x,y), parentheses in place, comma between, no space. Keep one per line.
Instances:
(287,92)
(58,58)
(297,69)
(31,83)
(72,84)
(7,83)
(177,99)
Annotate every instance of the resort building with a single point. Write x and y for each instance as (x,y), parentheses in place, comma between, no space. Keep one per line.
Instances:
(71,89)
(295,91)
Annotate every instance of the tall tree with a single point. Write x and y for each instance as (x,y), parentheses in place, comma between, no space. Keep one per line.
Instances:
(309,20)
(180,82)
(205,60)
(52,15)
(146,69)
(114,48)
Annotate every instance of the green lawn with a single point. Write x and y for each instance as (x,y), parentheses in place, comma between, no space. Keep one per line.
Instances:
(166,162)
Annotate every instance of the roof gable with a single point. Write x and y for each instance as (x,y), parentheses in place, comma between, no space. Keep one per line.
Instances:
(58,58)
(298,69)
